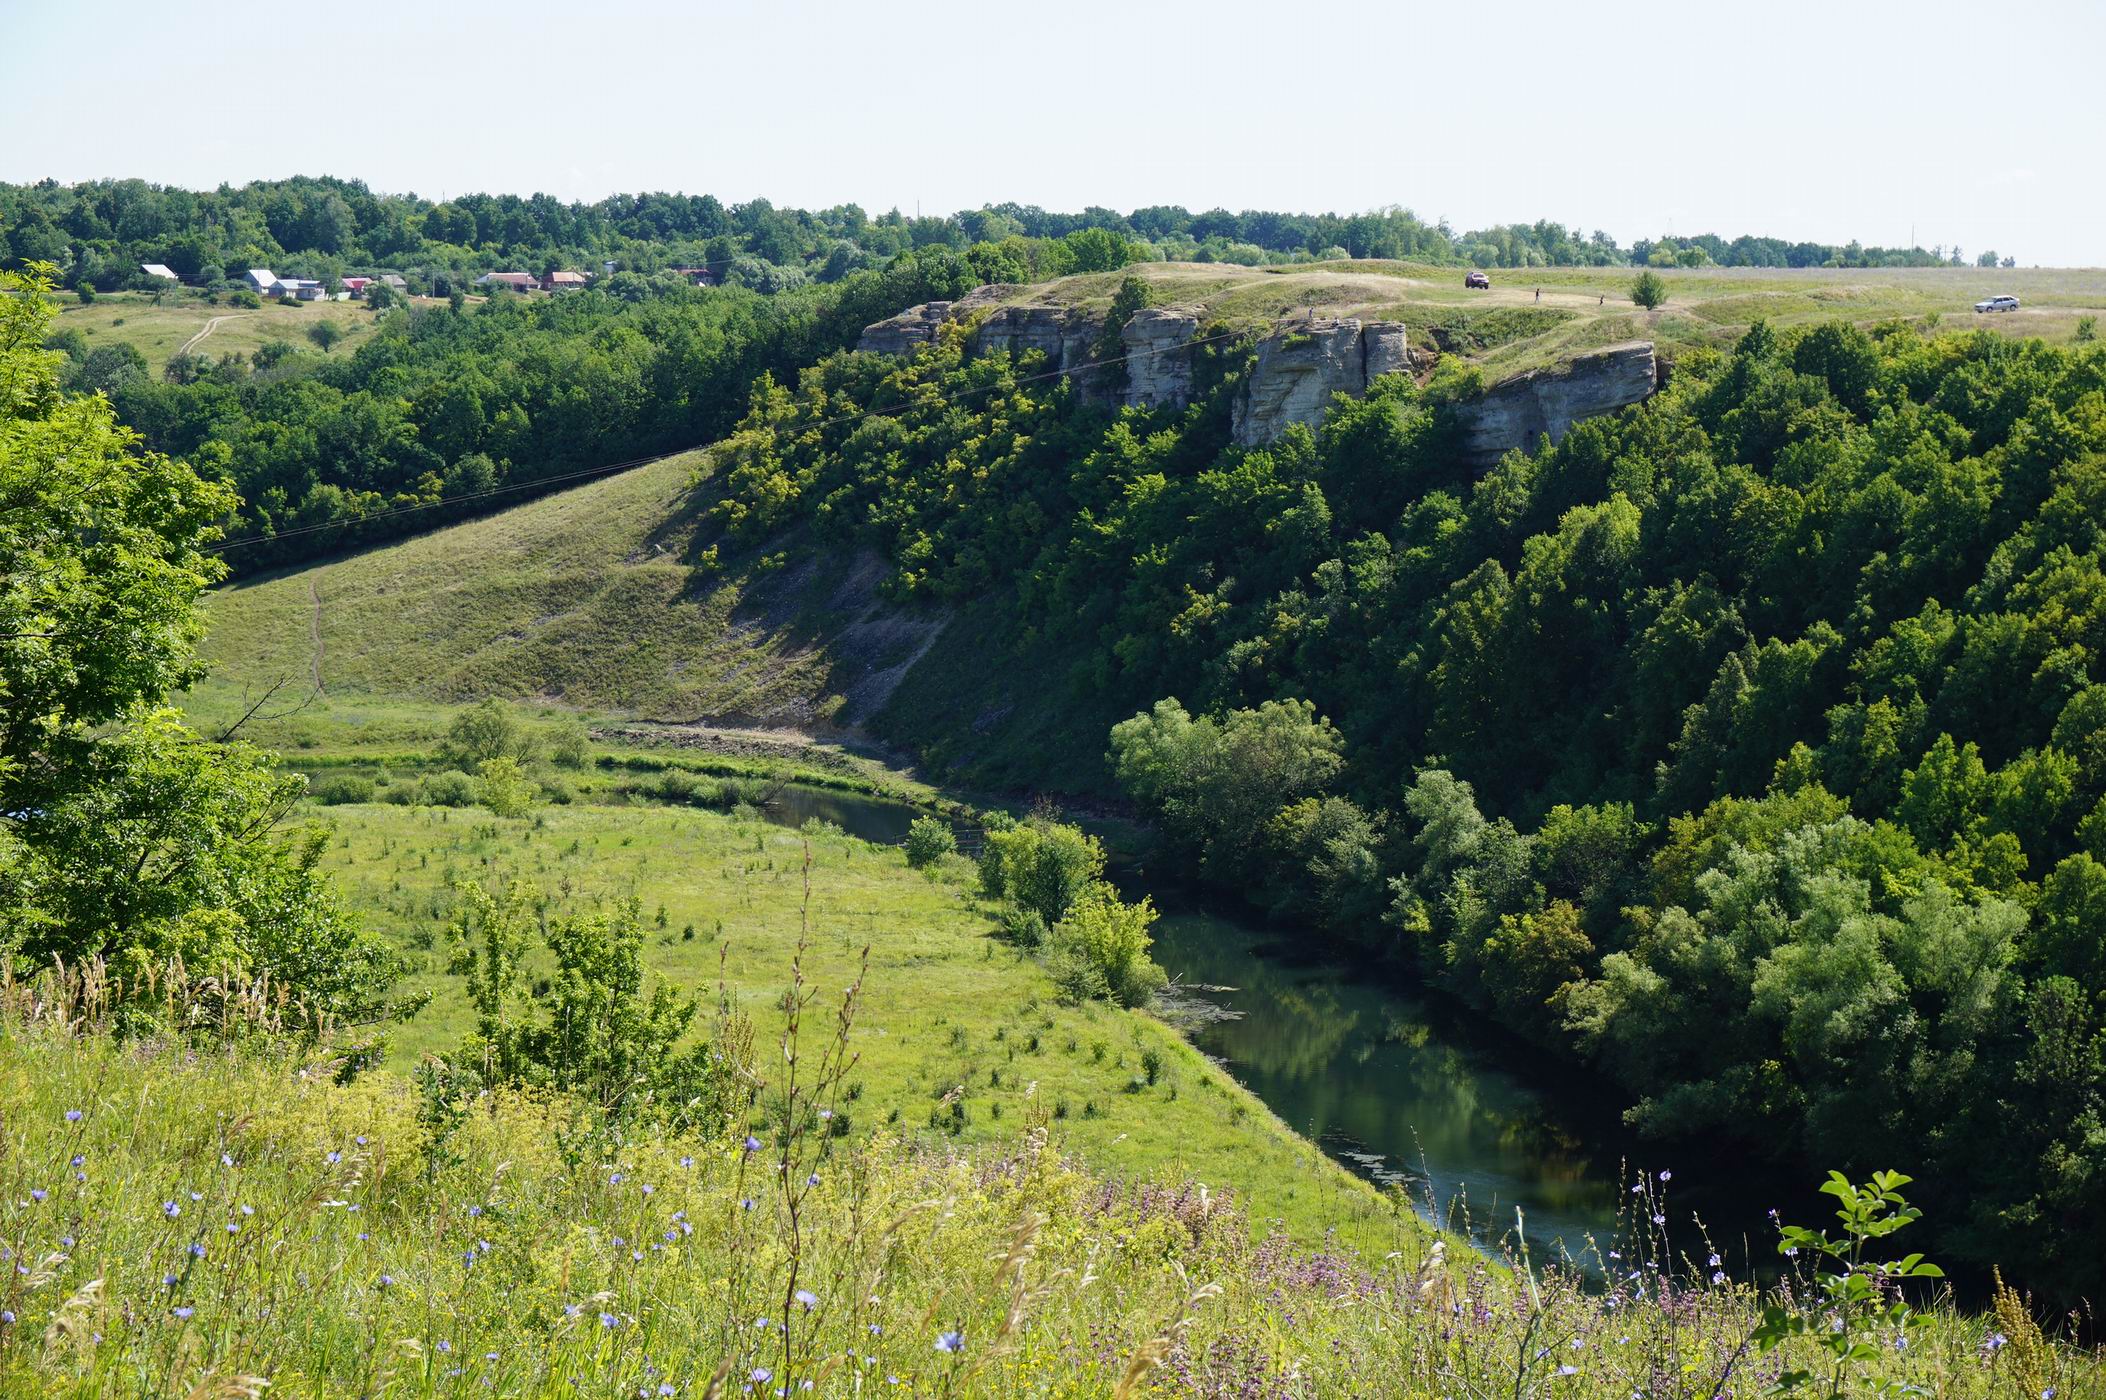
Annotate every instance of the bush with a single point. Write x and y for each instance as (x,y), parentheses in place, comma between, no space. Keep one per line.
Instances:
(452,788)
(929,840)
(86,292)
(1649,290)
(1042,865)
(1104,941)
(2087,329)
(1020,926)
(568,745)
(504,787)
(484,731)
(342,789)
(244,298)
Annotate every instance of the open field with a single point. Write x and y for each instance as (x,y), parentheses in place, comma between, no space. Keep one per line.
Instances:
(182,318)
(1591,306)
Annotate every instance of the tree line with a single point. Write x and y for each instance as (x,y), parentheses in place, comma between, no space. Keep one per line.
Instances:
(99,233)
(1749,747)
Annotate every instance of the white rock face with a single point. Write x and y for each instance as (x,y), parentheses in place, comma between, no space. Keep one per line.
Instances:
(1158,350)
(907,332)
(1301,367)
(1548,402)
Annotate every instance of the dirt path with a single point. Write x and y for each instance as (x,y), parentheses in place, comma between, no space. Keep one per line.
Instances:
(207,329)
(314,633)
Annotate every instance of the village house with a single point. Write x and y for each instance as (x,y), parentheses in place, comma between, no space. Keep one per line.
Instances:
(159,270)
(563,281)
(517,281)
(356,286)
(261,280)
(393,283)
(696,276)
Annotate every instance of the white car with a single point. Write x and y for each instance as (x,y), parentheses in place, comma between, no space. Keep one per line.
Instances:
(1997,304)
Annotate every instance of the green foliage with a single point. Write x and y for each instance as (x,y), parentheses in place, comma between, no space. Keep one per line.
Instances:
(929,840)
(485,730)
(124,835)
(1043,866)
(1720,744)
(1649,290)
(1858,1310)
(503,786)
(594,1032)
(1100,949)
(325,334)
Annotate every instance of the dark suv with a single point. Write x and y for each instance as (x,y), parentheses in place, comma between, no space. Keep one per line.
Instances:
(1479,281)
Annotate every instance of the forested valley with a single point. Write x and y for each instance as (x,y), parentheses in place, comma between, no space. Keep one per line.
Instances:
(1750,746)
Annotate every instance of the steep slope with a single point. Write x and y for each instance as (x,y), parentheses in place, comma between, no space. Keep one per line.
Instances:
(591,598)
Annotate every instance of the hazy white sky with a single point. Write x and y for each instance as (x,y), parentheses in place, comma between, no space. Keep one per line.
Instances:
(1981,124)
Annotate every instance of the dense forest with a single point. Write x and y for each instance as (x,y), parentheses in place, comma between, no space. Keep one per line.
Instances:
(1749,745)
(100,232)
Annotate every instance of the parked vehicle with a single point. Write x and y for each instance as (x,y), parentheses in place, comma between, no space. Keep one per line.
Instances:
(1479,281)
(1997,304)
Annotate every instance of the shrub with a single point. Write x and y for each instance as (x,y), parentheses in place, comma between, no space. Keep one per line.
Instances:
(504,787)
(569,746)
(486,730)
(244,298)
(1649,290)
(2087,329)
(1021,926)
(929,840)
(1104,941)
(452,788)
(1042,865)
(342,789)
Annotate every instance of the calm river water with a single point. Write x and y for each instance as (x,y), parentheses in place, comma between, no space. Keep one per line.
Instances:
(1399,1086)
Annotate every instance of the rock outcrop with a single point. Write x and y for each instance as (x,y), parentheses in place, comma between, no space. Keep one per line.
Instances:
(1060,333)
(1158,350)
(1547,402)
(907,332)
(1300,368)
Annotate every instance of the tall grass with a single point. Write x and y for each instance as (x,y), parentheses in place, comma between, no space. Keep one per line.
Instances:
(208,1215)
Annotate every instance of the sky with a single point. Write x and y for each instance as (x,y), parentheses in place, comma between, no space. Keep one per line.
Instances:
(1978,125)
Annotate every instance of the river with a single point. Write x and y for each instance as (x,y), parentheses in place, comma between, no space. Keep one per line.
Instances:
(1399,1086)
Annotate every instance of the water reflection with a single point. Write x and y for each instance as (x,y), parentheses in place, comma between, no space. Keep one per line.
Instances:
(1398,1086)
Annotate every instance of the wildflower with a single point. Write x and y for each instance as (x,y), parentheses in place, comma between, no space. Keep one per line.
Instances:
(1995,1342)
(79,1159)
(226,1159)
(387,1280)
(752,1143)
(7,1317)
(183,1313)
(762,1323)
(572,1309)
(746,1203)
(806,1297)
(1667,1176)
(687,1161)
(1718,1276)
(1568,1370)
(666,1388)
(762,1375)
(812,1180)
(333,1158)
(1659,1219)
(826,1115)
(876,1331)
(72,1115)
(615,1180)
(36,1193)
(360,1139)
(168,1280)
(442,1346)
(197,1249)
(65,1241)
(474,1211)
(951,1342)
(363,1236)
(608,1319)
(647,1188)
(489,1356)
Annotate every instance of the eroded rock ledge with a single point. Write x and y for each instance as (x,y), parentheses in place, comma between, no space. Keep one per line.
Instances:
(1298,368)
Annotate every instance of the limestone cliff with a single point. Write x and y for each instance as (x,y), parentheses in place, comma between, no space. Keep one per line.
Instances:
(1548,402)
(1300,368)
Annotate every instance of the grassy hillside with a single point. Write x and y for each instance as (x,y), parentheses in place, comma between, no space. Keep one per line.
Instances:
(184,320)
(1510,329)
(231,1224)
(587,598)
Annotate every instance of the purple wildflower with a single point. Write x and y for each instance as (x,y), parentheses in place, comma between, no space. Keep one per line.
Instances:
(951,1342)
(808,1298)
(72,1115)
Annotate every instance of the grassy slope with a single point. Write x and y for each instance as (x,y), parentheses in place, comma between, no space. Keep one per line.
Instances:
(518,1267)
(584,597)
(159,331)
(945,1005)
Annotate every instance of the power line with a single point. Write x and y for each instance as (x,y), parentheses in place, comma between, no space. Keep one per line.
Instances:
(634,462)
